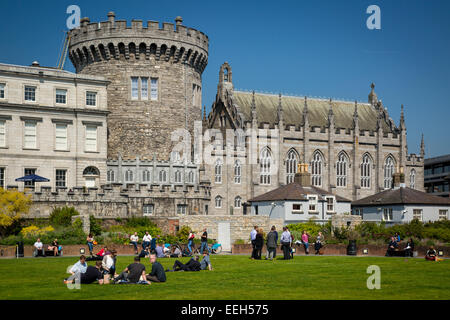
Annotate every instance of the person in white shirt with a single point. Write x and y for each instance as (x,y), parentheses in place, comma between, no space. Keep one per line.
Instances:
(80,266)
(146,240)
(286,243)
(109,263)
(253,238)
(38,248)
(134,241)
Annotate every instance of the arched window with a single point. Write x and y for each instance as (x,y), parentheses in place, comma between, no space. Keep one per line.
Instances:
(177,176)
(111,176)
(225,75)
(237,171)
(237,202)
(129,176)
(265,160)
(412,179)
(365,171)
(146,176)
(341,170)
(163,176)
(218,202)
(291,165)
(388,172)
(190,177)
(218,171)
(91,171)
(316,169)
(175,156)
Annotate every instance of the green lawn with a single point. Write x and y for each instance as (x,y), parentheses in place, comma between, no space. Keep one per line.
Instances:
(238,277)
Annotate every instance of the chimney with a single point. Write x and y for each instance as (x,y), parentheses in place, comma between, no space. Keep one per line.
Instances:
(303,177)
(399,179)
(111,18)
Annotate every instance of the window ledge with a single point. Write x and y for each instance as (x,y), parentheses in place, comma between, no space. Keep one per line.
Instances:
(91,151)
(57,150)
(32,149)
(313,212)
(297,212)
(331,212)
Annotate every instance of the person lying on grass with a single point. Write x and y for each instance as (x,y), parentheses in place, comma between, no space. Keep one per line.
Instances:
(134,273)
(157,274)
(192,265)
(91,275)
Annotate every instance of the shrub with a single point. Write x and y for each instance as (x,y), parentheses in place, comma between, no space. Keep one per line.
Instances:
(136,222)
(62,216)
(239,241)
(95,227)
(33,232)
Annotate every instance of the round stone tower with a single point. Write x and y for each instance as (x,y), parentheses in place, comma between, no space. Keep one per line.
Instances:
(155,79)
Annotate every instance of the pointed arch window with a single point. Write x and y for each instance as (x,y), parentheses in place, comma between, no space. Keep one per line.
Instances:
(341,170)
(129,176)
(237,171)
(316,169)
(365,171)
(190,177)
(238,202)
(111,176)
(218,201)
(291,166)
(412,179)
(265,161)
(218,171)
(177,176)
(388,172)
(146,176)
(163,176)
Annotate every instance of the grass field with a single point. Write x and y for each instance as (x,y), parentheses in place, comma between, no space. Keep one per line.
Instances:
(238,277)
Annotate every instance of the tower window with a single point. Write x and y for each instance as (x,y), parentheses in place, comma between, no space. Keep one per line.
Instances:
(154,88)
(134,88)
(144,88)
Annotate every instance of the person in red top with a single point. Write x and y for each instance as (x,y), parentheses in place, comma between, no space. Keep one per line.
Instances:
(102,252)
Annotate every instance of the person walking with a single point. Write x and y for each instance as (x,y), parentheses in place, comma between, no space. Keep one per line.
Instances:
(253,238)
(305,241)
(204,238)
(90,243)
(286,243)
(191,242)
(271,244)
(259,243)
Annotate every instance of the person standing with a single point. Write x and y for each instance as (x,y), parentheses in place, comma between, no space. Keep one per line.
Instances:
(191,242)
(157,274)
(305,241)
(253,238)
(204,245)
(259,243)
(271,244)
(90,243)
(146,240)
(286,243)
(134,238)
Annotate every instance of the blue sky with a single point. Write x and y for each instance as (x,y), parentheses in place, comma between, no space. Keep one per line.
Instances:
(315,48)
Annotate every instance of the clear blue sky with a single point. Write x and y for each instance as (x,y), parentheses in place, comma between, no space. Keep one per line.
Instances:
(315,48)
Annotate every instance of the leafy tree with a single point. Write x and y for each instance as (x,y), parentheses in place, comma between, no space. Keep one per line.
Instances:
(62,216)
(13,204)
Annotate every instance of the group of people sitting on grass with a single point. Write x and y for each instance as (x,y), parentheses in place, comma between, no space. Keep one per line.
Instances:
(394,249)
(104,271)
(39,250)
(287,240)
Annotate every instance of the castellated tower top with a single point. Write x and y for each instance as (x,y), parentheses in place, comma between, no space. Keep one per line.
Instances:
(100,41)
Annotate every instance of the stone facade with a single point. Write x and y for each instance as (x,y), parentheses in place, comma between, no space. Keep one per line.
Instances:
(323,133)
(21,149)
(141,124)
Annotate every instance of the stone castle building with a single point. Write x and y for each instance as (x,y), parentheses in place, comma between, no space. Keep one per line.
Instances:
(137,85)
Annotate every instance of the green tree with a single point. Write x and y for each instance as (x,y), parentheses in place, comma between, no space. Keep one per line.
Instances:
(13,204)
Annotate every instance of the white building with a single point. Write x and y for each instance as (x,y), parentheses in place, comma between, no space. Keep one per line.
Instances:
(401,204)
(53,124)
(299,201)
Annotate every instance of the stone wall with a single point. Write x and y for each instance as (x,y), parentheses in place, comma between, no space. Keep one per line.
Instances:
(342,220)
(240,226)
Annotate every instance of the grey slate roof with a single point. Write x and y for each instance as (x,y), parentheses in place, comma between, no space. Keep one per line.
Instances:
(295,191)
(402,195)
(267,105)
